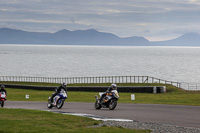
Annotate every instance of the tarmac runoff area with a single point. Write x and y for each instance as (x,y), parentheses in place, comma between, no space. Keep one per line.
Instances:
(156,117)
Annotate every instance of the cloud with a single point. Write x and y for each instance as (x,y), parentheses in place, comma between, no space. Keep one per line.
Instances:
(148,18)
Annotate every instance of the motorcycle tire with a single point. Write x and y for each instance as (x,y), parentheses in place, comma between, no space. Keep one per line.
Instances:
(112,104)
(97,105)
(49,105)
(59,103)
(2,104)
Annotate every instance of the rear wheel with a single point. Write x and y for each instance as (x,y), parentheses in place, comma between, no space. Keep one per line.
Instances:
(2,103)
(97,105)
(60,103)
(112,104)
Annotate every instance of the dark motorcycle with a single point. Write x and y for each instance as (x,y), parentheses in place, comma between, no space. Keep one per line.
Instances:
(109,101)
(58,100)
(2,98)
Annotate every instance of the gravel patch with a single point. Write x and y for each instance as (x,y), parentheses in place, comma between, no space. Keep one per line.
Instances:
(155,128)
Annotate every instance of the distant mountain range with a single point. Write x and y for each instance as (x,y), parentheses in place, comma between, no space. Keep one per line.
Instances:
(189,39)
(89,37)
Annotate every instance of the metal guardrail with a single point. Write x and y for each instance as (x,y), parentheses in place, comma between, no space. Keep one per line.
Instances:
(190,86)
(104,79)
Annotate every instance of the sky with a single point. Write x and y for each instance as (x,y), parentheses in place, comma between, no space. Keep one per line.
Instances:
(156,20)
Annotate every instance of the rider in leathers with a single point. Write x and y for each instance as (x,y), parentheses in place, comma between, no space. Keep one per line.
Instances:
(58,89)
(112,87)
(3,89)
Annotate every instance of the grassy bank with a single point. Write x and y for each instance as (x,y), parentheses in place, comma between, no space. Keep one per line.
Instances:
(169,87)
(175,97)
(33,121)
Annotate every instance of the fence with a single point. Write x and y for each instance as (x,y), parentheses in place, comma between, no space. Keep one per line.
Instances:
(104,79)
(190,86)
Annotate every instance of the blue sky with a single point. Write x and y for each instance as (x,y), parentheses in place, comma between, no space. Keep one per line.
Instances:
(152,19)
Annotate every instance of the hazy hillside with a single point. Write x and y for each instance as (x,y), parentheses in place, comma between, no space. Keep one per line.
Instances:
(189,39)
(89,37)
(66,37)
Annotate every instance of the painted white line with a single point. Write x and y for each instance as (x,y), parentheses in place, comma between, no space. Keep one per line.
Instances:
(94,117)
(125,120)
(98,117)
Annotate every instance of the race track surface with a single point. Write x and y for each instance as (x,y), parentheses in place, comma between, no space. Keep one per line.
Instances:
(187,116)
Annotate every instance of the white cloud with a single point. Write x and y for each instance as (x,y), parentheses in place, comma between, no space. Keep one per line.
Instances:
(194,1)
(148,18)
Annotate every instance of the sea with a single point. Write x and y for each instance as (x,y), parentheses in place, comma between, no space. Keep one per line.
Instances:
(178,64)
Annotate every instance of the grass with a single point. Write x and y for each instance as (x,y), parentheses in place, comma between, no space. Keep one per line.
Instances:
(186,98)
(33,121)
(169,87)
(175,98)
(29,83)
(19,120)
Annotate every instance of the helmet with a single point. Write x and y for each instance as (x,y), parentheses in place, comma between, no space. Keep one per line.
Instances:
(114,86)
(2,86)
(64,84)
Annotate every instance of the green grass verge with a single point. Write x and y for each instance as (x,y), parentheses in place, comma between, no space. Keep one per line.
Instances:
(175,98)
(174,95)
(33,121)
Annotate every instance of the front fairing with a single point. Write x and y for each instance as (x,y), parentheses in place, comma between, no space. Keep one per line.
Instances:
(63,94)
(110,95)
(115,94)
(2,95)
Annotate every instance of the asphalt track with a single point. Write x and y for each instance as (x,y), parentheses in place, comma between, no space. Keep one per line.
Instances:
(180,115)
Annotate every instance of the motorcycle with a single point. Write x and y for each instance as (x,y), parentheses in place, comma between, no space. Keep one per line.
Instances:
(58,100)
(2,98)
(109,101)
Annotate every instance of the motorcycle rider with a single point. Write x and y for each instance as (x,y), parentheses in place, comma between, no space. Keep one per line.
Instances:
(58,89)
(3,89)
(112,87)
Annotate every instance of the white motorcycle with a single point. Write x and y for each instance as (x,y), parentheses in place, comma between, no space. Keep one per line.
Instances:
(58,100)
(109,101)
(2,98)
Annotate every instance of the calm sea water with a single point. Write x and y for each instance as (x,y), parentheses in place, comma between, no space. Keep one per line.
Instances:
(179,64)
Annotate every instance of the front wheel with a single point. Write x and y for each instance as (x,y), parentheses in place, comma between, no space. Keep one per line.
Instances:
(49,104)
(97,105)
(112,104)
(2,104)
(60,103)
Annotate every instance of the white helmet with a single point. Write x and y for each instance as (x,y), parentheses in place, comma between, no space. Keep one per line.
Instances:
(114,86)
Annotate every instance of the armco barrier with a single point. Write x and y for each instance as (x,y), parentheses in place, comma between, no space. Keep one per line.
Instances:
(137,89)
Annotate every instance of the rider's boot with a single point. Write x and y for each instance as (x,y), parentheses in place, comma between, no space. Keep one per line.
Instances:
(99,100)
(51,99)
